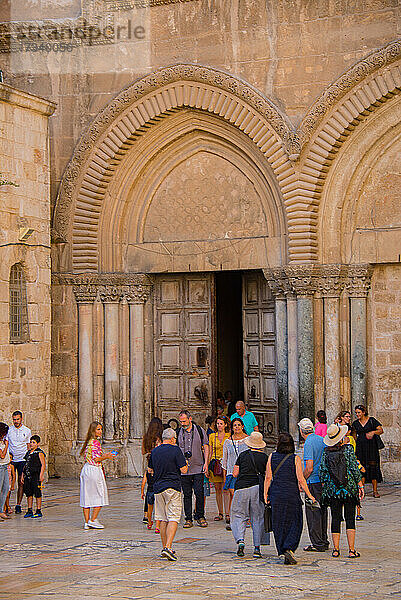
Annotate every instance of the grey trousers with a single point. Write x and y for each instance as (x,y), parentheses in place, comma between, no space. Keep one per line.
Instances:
(246,505)
(317,520)
(4,485)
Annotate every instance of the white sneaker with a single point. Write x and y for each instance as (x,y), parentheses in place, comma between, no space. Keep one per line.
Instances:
(86,526)
(95,524)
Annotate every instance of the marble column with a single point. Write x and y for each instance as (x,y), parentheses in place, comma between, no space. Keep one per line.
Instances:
(293,381)
(358,284)
(85,296)
(110,296)
(137,297)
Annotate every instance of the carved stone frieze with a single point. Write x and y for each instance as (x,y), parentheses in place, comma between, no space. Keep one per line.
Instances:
(303,279)
(278,282)
(330,280)
(85,293)
(357,73)
(358,280)
(137,294)
(109,287)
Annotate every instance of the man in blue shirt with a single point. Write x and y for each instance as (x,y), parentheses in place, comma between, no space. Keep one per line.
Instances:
(247,417)
(316,518)
(167,464)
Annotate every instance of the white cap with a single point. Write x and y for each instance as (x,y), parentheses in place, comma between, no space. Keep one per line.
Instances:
(306,425)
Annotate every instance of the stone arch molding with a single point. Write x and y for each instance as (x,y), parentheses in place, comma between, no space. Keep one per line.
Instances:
(300,159)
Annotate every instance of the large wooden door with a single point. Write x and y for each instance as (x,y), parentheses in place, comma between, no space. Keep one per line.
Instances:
(184,336)
(260,389)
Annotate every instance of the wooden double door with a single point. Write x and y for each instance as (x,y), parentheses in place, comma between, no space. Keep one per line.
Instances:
(188,346)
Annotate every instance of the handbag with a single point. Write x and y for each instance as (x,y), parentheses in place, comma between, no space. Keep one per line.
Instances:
(215,464)
(379,442)
(267,518)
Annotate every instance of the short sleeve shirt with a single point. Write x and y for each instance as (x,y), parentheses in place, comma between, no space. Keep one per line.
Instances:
(93,450)
(313,450)
(248,475)
(248,419)
(191,442)
(18,438)
(166,461)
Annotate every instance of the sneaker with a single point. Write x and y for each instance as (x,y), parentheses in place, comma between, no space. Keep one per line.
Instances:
(18,510)
(169,554)
(28,514)
(188,524)
(95,524)
(257,553)
(289,558)
(241,546)
(86,526)
(37,514)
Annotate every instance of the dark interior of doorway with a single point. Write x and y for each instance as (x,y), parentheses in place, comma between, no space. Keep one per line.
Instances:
(229,361)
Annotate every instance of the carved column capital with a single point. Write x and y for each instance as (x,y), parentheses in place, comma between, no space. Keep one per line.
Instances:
(359,280)
(110,293)
(302,279)
(278,282)
(85,293)
(137,294)
(330,280)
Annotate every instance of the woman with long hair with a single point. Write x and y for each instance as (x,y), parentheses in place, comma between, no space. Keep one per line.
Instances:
(93,490)
(216,443)
(284,478)
(232,448)
(342,486)
(368,429)
(151,439)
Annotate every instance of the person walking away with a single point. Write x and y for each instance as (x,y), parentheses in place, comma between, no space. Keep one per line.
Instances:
(232,448)
(321,424)
(247,417)
(167,465)
(284,478)
(151,439)
(367,430)
(316,518)
(93,488)
(4,462)
(18,438)
(33,476)
(342,486)
(216,443)
(194,444)
(247,502)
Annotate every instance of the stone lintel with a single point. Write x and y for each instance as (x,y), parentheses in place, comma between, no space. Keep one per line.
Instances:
(109,287)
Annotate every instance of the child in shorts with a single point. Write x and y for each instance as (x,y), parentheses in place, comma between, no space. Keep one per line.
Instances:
(33,475)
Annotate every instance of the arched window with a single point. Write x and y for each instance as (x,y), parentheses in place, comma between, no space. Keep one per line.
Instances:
(19,331)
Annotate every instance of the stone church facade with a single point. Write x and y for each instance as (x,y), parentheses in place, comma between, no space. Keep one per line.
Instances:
(226,214)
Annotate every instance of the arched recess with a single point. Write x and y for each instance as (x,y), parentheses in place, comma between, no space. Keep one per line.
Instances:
(117,128)
(338,112)
(360,209)
(221,205)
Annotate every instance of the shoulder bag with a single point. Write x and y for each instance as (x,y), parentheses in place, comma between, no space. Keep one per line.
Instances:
(215,464)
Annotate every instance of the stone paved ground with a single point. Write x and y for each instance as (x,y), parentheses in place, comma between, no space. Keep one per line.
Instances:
(55,559)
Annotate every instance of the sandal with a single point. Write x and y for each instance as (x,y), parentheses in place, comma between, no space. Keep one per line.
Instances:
(219,518)
(353,554)
(335,553)
(228,519)
(376,495)
(150,524)
(157,530)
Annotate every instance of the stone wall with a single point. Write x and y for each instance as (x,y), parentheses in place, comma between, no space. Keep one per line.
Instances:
(385,362)
(24,159)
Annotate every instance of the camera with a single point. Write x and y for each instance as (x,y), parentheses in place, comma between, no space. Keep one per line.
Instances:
(188,454)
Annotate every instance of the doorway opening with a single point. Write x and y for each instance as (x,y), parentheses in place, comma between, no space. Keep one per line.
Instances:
(229,339)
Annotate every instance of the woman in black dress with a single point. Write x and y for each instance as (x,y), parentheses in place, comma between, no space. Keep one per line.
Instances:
(367,451)
(284,478)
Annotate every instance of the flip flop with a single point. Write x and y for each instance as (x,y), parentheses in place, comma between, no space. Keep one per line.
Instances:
(310,548)
(353,554)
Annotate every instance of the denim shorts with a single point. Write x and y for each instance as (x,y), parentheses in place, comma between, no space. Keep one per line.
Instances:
(150,498)
(230,482)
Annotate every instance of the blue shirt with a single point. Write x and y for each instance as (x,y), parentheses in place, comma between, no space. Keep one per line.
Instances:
(248,419)
(166,461)
(313,450)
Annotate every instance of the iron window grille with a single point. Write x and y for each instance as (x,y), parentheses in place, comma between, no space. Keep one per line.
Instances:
(19,329)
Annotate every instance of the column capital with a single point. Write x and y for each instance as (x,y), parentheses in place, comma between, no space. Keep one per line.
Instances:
(358,280)
(302,279)
(137,294)
(278,282)
(330,280)
(110,293)
(85,293)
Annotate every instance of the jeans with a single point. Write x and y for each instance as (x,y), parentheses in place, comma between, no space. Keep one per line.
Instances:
(247,505)
(193,483)
(317,519)
(4,486)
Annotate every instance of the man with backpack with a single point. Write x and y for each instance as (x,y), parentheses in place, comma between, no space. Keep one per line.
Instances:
(193,441)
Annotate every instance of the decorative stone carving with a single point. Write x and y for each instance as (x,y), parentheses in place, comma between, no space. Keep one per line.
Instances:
(330,280)
(278,283)
(85,293)
(109,287)
(302,279)
(361,70)
(137,294)
(110,293)
(359,280)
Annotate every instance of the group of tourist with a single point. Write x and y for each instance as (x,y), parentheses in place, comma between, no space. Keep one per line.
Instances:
(22,461)
(181,464)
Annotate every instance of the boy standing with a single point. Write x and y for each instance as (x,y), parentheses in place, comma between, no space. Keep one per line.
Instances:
(33,475)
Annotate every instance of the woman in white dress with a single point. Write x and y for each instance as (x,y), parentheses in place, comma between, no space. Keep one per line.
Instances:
(93,491)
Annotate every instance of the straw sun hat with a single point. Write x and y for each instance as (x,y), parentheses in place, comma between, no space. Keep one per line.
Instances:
(255,440)
(335,434)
